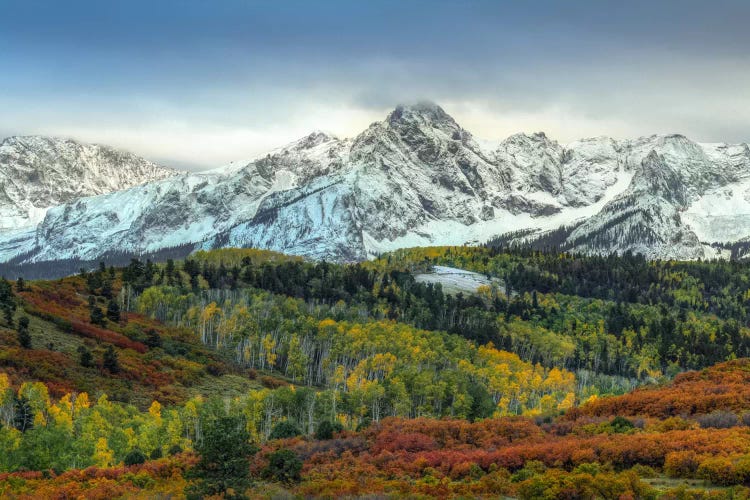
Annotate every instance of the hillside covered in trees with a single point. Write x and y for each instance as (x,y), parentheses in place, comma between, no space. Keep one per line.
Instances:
(331,380)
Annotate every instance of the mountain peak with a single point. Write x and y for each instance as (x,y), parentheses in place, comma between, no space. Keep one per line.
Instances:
(60,146)
(524,138)
(32,139)
(47,139)
(314,138)
(656,177)
(423,106)
(422,111)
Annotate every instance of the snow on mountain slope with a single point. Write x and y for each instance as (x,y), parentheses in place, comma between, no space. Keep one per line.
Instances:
(722,214)
(37,173)
(179,210)
(652,216)
(419,178)
(590,168)
(449,232)
(416,166)
(162,214)
(317,221)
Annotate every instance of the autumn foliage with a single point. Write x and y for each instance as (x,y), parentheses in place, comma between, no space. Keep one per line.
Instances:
(725,386)
(420,393)
(586,453)
(68,310)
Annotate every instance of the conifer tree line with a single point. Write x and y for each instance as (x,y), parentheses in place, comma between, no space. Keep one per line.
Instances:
(615,316)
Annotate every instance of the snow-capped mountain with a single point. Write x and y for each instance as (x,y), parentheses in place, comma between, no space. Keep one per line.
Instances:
(37,173)
(180,210)
(419,178)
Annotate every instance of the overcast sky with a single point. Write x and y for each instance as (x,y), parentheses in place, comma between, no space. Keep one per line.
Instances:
(198,84)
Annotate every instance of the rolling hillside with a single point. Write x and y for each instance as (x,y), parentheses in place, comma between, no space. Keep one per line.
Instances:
(552,376)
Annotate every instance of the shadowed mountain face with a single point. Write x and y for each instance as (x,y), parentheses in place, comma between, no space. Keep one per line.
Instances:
(416,178)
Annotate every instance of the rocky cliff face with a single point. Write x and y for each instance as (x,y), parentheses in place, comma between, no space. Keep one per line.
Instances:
(37,173)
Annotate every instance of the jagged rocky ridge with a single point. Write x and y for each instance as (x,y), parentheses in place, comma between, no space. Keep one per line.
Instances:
(418,178)
(37,173)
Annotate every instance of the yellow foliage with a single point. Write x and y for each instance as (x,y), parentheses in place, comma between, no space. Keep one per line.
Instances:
(103,456)
(4,386)
(568,402)
(155,411)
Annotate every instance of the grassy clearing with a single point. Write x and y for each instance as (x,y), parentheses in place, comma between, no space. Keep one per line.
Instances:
(47,335)
(663,483)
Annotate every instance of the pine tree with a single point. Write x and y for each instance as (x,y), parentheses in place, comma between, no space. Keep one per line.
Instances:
(284,429)
(170,268)
(326,429)
(135,457)
(113,311)
(224,459)
(107,288)
(109,361)
(283,466)
(97,316)
(7,301)
(153,339)
(23,415)
(169,271)
(86,359)
(93,281)
(24,337)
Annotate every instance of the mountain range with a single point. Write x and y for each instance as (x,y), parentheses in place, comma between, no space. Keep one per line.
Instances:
(37,173)
(415,178)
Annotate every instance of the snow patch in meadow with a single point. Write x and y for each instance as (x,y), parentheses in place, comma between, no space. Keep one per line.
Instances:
(454,280)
